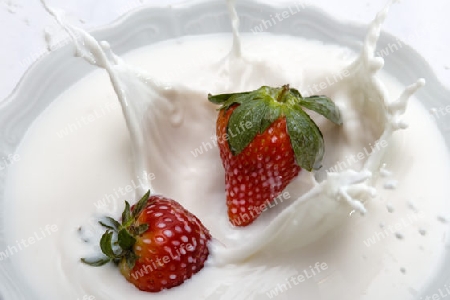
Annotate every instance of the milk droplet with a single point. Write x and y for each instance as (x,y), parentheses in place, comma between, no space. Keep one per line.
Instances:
(402,124)
(390,185)
(48,39)
(411,206)
(385,173)
(412,291)
(389,208)
(399,236)
(442,219)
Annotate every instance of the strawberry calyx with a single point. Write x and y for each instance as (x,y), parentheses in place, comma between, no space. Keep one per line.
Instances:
(118,240)
(260,108)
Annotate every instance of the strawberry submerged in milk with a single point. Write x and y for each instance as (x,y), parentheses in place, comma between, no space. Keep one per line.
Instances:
(158,245)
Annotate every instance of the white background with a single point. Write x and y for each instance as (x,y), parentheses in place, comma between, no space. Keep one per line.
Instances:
(423,24)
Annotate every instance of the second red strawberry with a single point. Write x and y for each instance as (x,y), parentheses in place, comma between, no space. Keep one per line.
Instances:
(278,140)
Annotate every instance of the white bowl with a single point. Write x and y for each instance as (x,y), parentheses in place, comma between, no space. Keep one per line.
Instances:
(48,78)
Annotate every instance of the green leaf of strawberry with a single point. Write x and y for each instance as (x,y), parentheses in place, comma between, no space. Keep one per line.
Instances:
(110,223)
(141,205)
(250,111)
(306,138)
(106,245)
(96,262)
(126,215)
(223,98)
(125,239)
(323,105)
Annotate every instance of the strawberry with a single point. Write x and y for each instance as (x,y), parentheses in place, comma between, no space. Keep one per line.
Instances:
(158,245)
(265,139)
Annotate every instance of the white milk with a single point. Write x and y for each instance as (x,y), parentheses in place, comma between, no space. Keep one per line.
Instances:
(322,240)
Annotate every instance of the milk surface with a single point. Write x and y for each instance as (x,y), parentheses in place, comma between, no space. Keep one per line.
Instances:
(363,227)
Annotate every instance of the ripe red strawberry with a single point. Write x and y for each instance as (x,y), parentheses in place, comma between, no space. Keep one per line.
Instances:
(265,139)
(158,246)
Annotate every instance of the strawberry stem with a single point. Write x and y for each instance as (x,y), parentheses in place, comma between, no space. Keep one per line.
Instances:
(281,97)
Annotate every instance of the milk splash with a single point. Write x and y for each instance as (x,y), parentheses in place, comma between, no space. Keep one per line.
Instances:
(316,211)
(350,186)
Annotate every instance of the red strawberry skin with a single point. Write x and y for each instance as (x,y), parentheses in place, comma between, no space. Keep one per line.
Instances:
(258,174)
(174,248)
